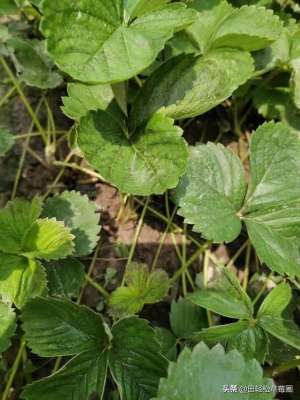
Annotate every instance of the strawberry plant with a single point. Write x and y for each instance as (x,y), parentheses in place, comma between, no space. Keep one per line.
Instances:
(178,123)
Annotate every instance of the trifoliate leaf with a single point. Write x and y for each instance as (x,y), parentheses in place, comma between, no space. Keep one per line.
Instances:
(148,162)
(224,295)
(186,318)
(56,327)
(83,98)
(167,343)
(271,316)
(7,325)
(65,277)
(21,279)
(271,210)
(79,379)
(7,141)
(79,214)
(142,287)
(16,219)
(49,239)
(101,46)
(187,86)
(33,64)
(212,192)
(135,359)
(203,371)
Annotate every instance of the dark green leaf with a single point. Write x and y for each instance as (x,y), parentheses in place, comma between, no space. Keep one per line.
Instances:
(65,277)
(167,343)
(186,318)
(55,327)
(135,359)
(79,379)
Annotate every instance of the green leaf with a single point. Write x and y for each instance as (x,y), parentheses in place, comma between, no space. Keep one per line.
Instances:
(142,287)
(84,98)
(65,277)
(167,343)
(271,316)
(252,342)
(187,86)
(148,162)
(224,296)
(135,360)
(56,327)
(7,325)
(186,318)
(212,191)
(33,64)
(221,333)
(136,8)
(248,28)
(7,141)
(16,219)
(276,103)
(79,214)
(272,211)
(8,7)
(204,372)
(21,279)
(101,47)
(49,239)
(79,379)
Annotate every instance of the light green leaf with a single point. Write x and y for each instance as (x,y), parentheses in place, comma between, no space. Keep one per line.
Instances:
(142,287)
(249,28)
(65,277)
(167,343)
(186,318)
(187,86)
(21,279)
(271,316)
(83,98)
(16,219)
(272,211)
(48,239)
(33,64)
(203,372)
(135,360)
(56,327)
(295,81)
(7,325)
(224,295)
(148,162)
(78,214)
(101,47)
(212,192)
(79,379)
(7,141)
(136,8)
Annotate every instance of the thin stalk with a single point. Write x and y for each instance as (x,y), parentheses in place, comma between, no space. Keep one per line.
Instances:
(97,286)
(247,267)
(7,96)
(205,281)
(14,370)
